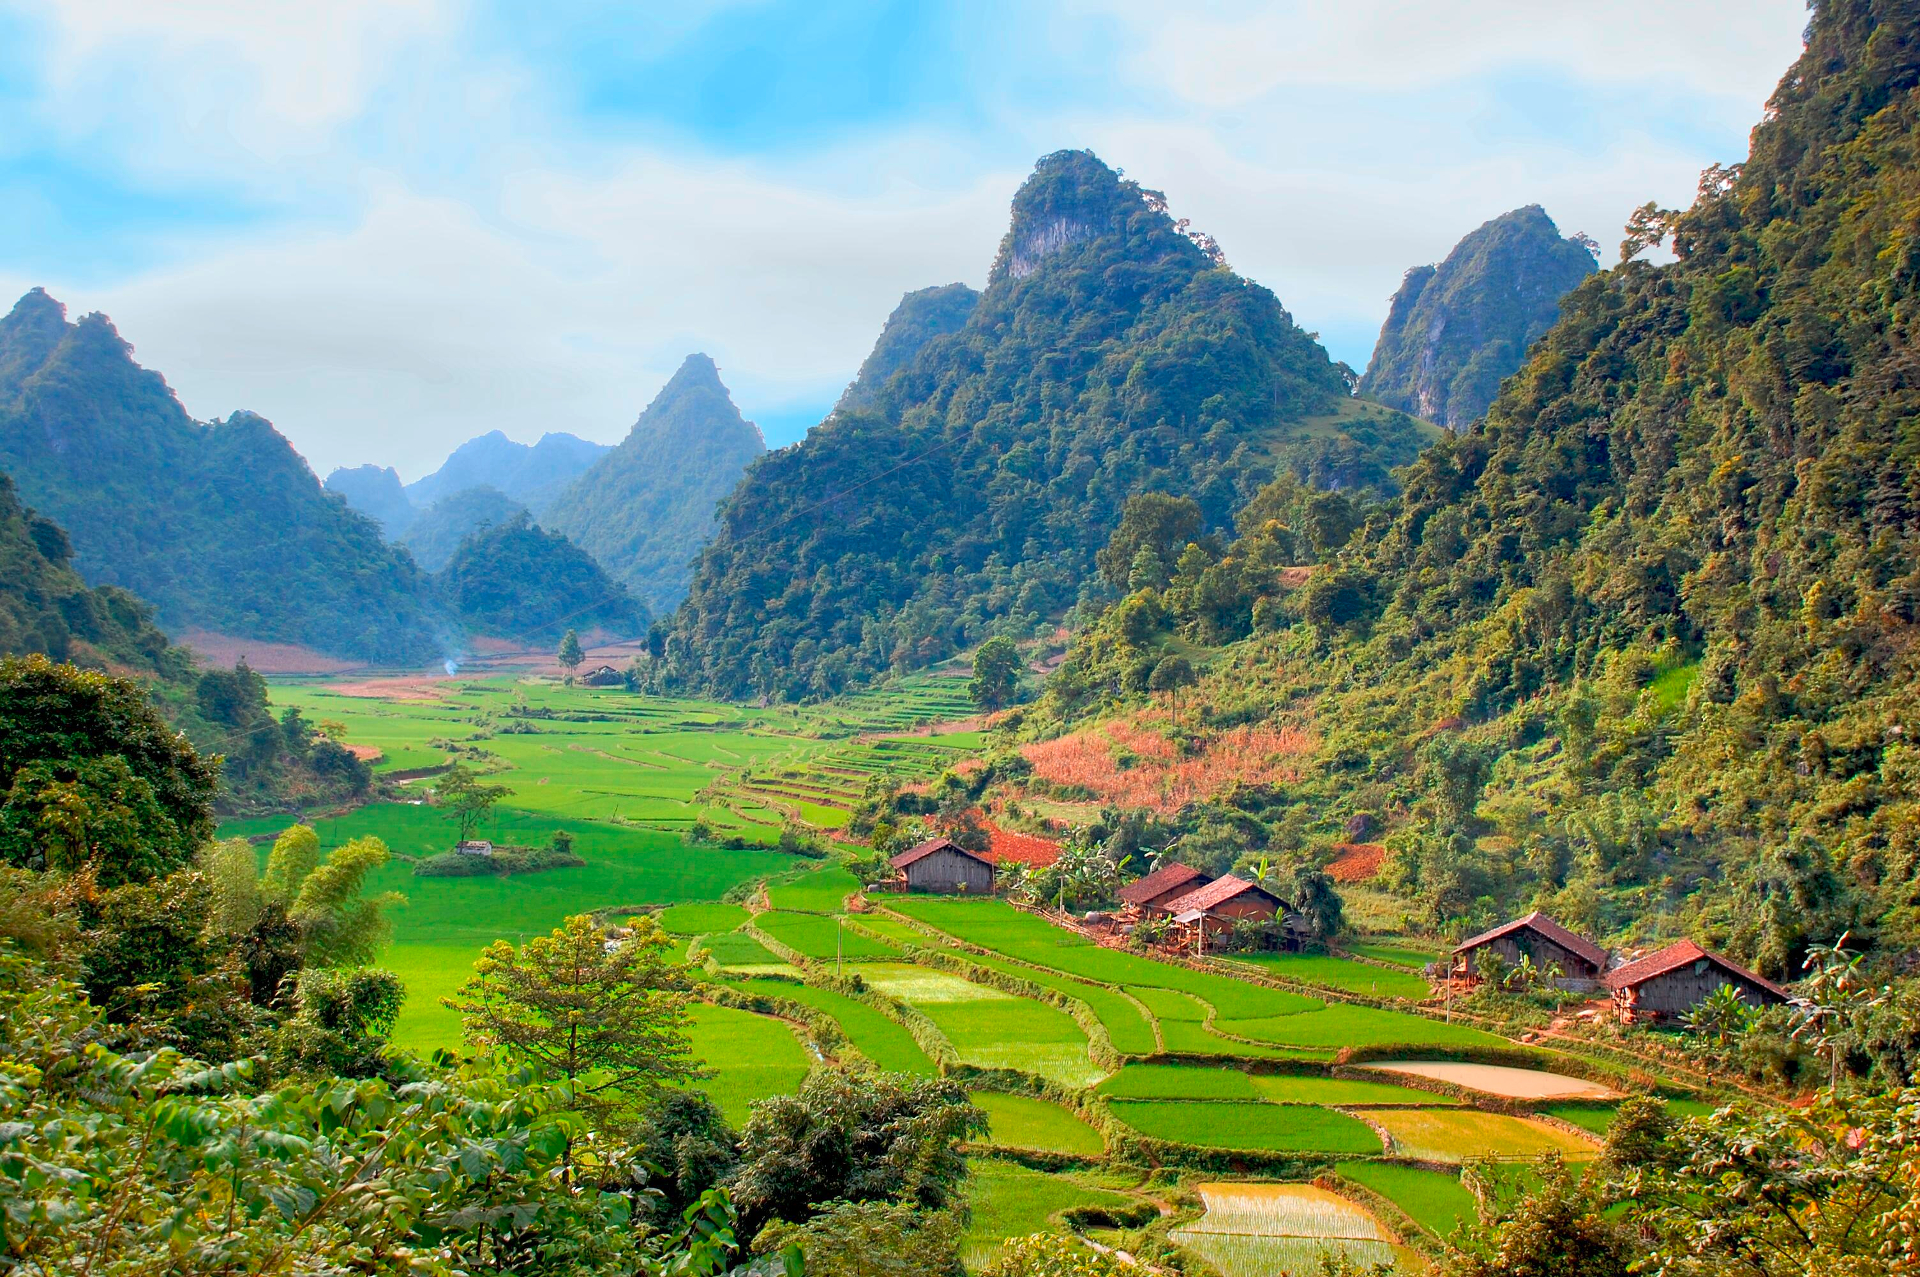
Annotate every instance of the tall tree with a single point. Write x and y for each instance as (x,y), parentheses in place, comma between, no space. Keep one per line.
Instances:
(465,798)
(996,673)
(570,654)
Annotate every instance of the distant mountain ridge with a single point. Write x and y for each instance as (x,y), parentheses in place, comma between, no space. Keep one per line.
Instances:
(220,526)
(644,509)
(437,531)
(376,492)
(532,474)
(1456,330)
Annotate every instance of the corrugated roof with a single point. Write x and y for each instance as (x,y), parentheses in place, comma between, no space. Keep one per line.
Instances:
(920,851)
(1219,891)
(1682,953)
(1158,883)
(1540,922)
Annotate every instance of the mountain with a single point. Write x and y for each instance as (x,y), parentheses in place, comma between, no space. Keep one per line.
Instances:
(532,474)
(645,509)
(375,491)
(513,580)
(437,531)
(918,319)
(1641,648)
(221,526)
(1457,330)
(1111,353)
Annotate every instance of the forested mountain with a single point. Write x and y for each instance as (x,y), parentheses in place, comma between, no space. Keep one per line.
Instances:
(1455,331)
(919,318)
(375,491)
(513,580)
(1641,646)
(1110,354)
(532,474)
(437,531)
(644,510)
(220,526)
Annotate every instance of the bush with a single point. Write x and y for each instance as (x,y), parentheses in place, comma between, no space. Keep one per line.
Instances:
(503,861)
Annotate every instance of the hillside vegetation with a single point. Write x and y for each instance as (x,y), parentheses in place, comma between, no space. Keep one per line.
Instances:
(219,526)
(1110,354)
(1640,646)
(515,580)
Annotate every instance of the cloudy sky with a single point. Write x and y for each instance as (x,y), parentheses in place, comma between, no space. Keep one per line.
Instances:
(390,225)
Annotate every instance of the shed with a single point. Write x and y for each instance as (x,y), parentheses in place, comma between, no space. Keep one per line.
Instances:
(474,848)
(603,676)
(1230,898)
(1541,938)
(940,864)
(1153,893)
(1670,983)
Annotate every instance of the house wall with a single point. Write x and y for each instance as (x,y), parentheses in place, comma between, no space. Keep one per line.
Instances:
(1244,906)
(1677,992)
(945,870)
(1512,945)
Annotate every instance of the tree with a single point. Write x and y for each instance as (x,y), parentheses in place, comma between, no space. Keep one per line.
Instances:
(1170,675)
(610,1020)
(466,798)
(1554,1228)
(855,1138)
(687,1146)
(570,654)
(996,673)
(94,775)
(338,925)
(1055,1255)
(341,1022)
(1150,521)
(870,1239)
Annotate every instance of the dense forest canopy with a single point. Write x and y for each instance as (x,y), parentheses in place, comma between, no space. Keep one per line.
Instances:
(515,580)
(219,526)
(1110,354)
(436,532)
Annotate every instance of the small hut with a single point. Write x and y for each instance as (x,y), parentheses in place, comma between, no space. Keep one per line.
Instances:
(941,865)
(1538,937)
(1209,910)
(478,847)
(1668,984)
(1153,893)
(603,676)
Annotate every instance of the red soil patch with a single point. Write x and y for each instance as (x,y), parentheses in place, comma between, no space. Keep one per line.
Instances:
(365,753)
(267,658)
(1159,777)
(419,688)
(1008,847)
(1356,861)
(1294,578)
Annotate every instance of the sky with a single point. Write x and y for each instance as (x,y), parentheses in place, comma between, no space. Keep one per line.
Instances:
(391,225)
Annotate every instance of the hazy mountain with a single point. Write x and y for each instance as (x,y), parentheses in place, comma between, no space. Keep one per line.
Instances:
(919,318)
(645,509)
(375,491)
(220,526)
(532,474)
(513,580)
(1457,330)
(1111,353)
(438,530)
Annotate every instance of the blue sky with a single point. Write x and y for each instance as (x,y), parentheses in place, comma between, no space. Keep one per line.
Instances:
(390,225)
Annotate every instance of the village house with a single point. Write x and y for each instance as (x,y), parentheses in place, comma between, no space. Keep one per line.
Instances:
(941,865)
(478,847)
(1670,983)
(1540,938)
(1153,893)
(603,676)
(1211,909)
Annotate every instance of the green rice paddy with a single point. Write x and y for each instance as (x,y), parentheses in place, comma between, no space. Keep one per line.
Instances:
(875,1036)
(1339,973)
(818,936)
(990,1028)
(696,920)
(1010,1200)
(1435,1200)
(753,1057)
(1259,1127)
(1020,1121)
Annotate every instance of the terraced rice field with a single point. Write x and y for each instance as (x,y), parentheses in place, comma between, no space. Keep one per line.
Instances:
(735,948)
(1433,1135)
(1495,1079)
(1010,1200)
(754,1056)
(818,936)
(1178,1081)
(1180,1018)
(1435,1200)
(1272,1128)
(874,1035)
(1255,1230)
(989,1028)
(1020,1121)
(822,891)
(1413,957)
(1339,973)
(696,920)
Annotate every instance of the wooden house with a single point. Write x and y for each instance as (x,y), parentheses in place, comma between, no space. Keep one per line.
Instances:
(603,676)
(1213,908)
(1668,984)
(474,848)
(1539,937)
(1153,893)
(941,865)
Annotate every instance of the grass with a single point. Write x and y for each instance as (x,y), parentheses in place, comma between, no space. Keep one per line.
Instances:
(1403,955)
(1339,973)
(1128,1028)
(1439,1136)
(990,1028)
(1178,1082)
(431,972)
(1435,1200)
(753,1057)
(1261,1127)
(1009,1200)
(822,891)
(698,920)
(735,948)
(817,936)
(1020,1121)
(1586,1117)
(1341,1024)
(1288,1088)
(875,1036)
(1180,1019)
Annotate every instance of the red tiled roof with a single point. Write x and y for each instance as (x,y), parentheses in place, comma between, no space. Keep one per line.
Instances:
(1026,849)
(1218,892)
(1157,883)
(1672,958)
(1537,921)
(920,851)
